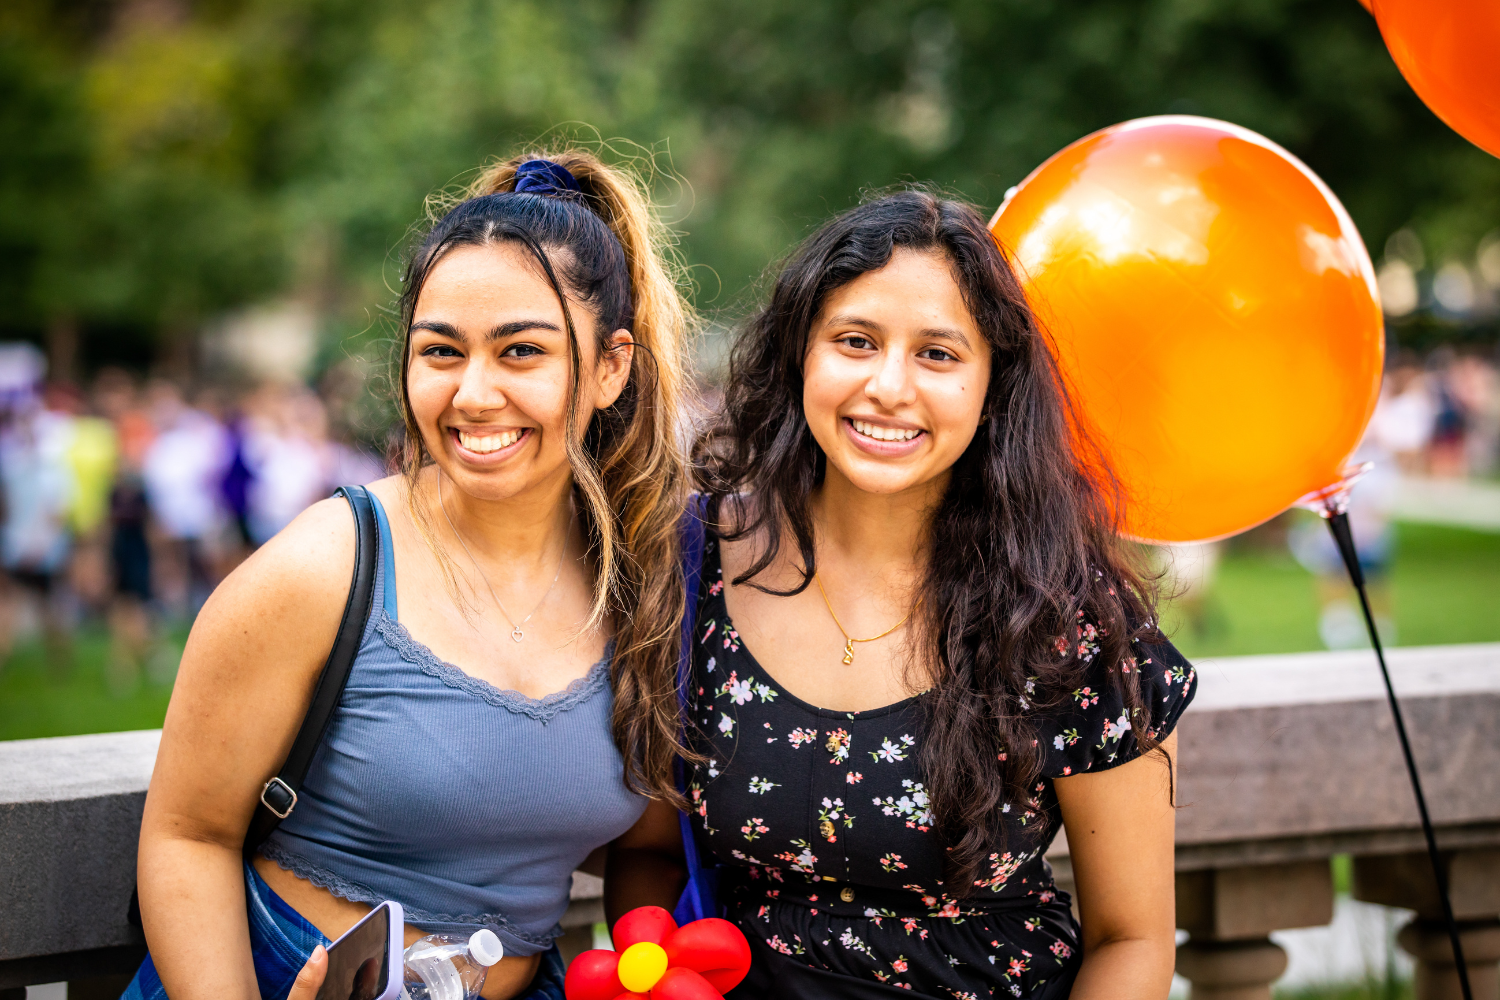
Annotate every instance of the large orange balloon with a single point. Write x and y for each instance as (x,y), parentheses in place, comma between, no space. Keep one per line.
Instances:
(1449,51)
(1213,311)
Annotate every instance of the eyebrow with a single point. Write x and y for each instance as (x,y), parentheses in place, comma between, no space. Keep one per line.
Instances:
(500,332)
(937,333)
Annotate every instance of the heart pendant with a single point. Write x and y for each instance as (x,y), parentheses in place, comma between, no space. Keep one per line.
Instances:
(517,634)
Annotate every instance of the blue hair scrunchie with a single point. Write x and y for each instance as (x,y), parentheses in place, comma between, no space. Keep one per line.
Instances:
(546,178)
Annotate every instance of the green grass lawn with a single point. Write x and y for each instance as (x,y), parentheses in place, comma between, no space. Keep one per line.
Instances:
(39,699)
(1445,587)
(1372,989)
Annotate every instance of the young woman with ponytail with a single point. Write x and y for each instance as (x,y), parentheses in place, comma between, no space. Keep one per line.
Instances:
(920,652)
(512,704)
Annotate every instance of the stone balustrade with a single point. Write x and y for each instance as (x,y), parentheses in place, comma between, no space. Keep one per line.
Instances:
(1285,761)
(1288,760)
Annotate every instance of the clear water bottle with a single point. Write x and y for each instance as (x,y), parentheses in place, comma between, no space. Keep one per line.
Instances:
(450,966)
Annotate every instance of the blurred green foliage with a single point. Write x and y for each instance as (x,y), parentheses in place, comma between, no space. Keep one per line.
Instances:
(162,160)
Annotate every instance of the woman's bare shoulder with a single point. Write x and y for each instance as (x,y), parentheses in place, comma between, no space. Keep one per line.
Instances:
(740,553)
(731,513)
(315,553)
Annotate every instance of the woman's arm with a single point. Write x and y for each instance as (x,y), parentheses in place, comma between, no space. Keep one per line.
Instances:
(242,690)
(1120,826)
(645,866)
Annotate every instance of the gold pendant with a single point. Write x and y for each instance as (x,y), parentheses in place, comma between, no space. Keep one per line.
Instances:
(848,651)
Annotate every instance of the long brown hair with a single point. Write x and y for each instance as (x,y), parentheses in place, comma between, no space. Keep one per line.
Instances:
(604,246)
(1026,528)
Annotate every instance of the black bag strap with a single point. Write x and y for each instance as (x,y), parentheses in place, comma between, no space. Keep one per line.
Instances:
(279,796)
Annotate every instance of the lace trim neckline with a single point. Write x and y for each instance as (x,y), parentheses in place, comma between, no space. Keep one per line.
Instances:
(543,709)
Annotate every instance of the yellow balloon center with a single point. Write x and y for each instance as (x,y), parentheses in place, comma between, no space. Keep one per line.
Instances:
(641,965)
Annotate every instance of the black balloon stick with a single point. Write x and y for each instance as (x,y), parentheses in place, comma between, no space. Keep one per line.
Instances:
(1338,523)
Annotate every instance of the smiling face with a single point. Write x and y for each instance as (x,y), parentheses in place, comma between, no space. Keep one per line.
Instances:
(895,376)
(488,372)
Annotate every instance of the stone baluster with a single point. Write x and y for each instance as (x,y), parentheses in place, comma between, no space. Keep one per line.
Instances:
(1229,914)
(1473,878)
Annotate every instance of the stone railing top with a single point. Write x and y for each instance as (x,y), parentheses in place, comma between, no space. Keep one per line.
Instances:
(77,767)
(1229,682)
(74,767)
(1297,756)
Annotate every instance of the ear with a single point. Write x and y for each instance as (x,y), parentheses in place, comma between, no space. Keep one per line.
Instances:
(614,368)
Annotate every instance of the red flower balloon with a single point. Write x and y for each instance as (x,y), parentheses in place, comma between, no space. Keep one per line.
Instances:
(658,960)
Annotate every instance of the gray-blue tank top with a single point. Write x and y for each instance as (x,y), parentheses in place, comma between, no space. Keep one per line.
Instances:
(468,805)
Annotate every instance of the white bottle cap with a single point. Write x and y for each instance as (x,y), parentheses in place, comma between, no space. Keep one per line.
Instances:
(485,947)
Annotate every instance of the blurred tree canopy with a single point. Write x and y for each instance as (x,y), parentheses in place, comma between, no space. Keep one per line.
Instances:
(162,161)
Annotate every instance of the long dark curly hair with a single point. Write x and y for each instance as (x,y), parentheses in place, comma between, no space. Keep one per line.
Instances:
(1027,525)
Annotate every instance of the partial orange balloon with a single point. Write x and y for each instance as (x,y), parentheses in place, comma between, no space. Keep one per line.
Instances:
(1449,51)
(1213,311)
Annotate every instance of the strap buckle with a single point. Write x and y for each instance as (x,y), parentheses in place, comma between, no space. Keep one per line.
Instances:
(282,793)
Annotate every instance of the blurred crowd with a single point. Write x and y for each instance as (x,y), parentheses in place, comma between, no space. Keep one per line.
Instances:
(127,501)
(130,500)
(1439,415)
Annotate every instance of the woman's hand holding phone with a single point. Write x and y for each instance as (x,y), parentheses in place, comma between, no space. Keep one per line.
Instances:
(310,979)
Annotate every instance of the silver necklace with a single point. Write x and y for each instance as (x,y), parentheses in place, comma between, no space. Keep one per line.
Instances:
(515,627)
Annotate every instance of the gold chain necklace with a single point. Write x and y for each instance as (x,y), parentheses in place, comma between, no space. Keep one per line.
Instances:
(515,627)
(849,640)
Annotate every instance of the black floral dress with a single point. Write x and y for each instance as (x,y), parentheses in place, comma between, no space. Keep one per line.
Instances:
(822,824)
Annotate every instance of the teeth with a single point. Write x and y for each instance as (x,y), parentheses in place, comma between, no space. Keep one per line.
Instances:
(883,433)
(489,442)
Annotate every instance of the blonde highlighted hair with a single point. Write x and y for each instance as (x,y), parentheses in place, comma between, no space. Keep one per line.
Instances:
(629,467)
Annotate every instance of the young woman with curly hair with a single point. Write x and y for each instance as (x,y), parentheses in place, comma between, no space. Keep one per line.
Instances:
(920,652)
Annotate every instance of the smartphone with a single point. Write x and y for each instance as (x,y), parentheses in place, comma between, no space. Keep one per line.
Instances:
(365,963)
